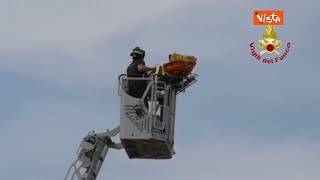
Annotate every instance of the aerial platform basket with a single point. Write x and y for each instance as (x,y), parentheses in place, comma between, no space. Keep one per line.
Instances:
(147,119)
(147,122)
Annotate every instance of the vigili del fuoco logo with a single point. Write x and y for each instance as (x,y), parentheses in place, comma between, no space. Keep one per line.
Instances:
(269,47)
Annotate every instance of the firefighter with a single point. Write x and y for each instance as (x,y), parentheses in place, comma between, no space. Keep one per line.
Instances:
(137,69)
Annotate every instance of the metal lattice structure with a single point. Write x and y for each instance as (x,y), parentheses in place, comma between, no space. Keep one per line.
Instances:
(146,128)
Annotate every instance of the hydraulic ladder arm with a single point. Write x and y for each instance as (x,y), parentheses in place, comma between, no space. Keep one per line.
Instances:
(91,154)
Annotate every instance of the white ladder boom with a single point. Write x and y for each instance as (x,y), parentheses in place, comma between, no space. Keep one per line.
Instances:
(91,154)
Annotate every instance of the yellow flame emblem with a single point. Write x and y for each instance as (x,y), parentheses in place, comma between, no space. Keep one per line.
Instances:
(270,43)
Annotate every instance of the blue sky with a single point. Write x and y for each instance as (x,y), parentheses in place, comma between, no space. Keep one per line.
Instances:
(243,120)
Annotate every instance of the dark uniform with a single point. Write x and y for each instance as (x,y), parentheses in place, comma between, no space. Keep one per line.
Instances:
(136,87)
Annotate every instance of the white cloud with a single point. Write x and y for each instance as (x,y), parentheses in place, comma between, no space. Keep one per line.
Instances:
(224,159)
(57,40)
(70,23)
(43,149)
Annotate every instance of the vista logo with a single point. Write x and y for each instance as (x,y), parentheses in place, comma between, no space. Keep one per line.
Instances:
(268,17)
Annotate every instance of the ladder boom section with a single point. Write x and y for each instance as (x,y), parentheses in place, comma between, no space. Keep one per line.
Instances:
(92,152)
